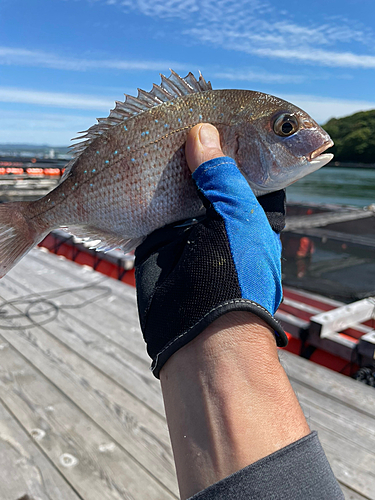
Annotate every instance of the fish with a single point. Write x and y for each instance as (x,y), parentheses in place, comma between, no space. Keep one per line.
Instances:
(129,175)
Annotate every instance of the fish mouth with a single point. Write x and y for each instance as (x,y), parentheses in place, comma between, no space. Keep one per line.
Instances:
(317,159)
(317,152)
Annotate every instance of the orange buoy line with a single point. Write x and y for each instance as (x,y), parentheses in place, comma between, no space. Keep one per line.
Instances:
(30,171)
(11,170)
(32,166)
(35,171)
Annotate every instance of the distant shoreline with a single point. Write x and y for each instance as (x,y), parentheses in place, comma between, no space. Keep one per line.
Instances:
(340,164)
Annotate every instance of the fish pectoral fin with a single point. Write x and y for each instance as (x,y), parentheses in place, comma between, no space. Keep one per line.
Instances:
(103,241)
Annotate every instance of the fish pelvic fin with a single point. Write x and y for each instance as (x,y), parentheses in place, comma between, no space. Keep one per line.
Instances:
(103,241)
(18,234)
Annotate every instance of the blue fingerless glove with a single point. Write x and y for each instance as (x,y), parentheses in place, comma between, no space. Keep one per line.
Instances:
(254,247)
(187,277)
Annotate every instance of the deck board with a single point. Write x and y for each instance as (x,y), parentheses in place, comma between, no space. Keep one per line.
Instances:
(139,430)
(83,379)
(92,462)
(120,304)
(94,331)
(342,411)
(23,467)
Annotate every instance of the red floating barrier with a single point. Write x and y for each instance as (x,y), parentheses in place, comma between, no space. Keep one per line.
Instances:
(14,171)
(35,171)
(51,171)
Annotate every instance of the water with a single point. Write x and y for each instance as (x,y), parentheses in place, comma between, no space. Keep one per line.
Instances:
(338,269)
(343,186)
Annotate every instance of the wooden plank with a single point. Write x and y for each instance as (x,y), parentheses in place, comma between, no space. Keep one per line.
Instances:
(88,340)
(141,432)
(24,470)
(347,449)
(91,461)
(352,425)
(347,436)
(90,343)
(346,430)
(357,473)
(59,272)
(333,384)
(350,494)
(341,391)
(112,407)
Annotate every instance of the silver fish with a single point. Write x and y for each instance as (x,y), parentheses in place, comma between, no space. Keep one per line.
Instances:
(129,174)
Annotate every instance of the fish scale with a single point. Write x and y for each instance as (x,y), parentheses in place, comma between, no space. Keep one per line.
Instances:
(129,175)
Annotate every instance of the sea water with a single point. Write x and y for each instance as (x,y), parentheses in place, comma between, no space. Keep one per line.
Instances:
(343,186)
(335,268)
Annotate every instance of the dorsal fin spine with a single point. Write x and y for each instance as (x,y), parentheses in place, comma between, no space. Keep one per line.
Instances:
(148,97)
(181,83)
(170,88)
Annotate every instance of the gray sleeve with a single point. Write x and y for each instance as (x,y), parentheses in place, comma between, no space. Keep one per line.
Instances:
(300,471)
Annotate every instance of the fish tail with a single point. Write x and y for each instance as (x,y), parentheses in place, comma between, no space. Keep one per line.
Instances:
(18,233)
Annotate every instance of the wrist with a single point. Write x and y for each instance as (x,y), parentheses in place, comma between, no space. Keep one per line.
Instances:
(237,333)
(217,389)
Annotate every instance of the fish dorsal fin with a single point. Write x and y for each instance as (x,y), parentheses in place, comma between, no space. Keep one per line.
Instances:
(170,88)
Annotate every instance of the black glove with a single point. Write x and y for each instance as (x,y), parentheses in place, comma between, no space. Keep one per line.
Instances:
(188,276)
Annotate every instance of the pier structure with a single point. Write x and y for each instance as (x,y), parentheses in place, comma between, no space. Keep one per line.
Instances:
(81,415)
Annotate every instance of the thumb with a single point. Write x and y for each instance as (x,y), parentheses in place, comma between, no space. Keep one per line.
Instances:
(202,144)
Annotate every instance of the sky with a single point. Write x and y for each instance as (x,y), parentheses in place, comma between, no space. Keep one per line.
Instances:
(64,63)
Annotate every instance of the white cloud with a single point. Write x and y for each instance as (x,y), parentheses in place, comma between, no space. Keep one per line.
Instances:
(262,30)
(185,9)
(274,47)
(160,8)
(24,57)
(54,99)
(323,34)
(258,75)
(321,57)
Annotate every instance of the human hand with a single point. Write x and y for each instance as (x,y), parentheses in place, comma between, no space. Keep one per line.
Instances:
(230,260)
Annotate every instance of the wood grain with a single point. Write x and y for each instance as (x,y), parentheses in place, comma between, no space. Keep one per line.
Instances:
(137,427)
(82,381)
(92,462)
(24,470)
(90,339)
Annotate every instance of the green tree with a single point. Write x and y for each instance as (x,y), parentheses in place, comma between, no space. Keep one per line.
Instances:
(354,137)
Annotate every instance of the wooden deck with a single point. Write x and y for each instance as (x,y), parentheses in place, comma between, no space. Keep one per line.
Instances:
(81,416)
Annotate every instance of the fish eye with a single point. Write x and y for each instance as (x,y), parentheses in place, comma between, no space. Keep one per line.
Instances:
(285,125)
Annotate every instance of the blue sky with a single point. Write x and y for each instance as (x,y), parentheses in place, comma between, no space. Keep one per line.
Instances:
(63,63)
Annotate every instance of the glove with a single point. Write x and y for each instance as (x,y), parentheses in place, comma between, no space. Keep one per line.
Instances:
(188,276)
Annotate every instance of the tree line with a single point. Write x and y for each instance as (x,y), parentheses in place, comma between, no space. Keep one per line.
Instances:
(354,137)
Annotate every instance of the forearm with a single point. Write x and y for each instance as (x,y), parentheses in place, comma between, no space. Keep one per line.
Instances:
(228,401)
